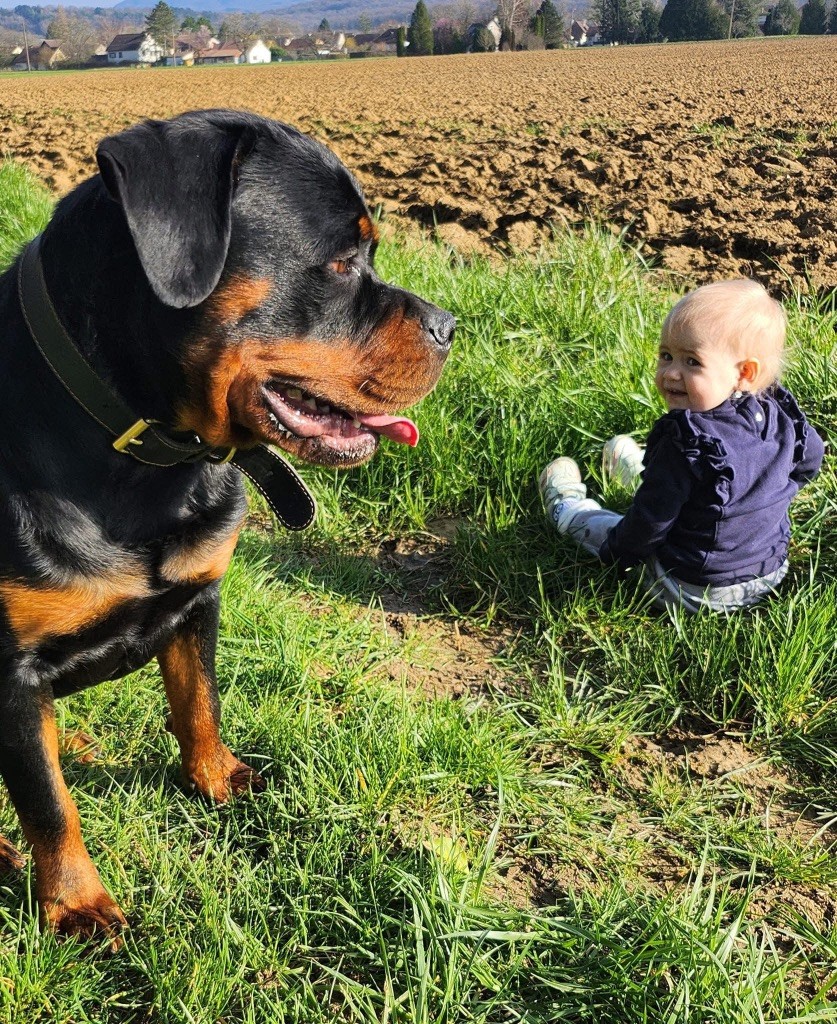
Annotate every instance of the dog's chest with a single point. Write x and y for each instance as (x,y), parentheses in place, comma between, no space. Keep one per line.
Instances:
(38,612)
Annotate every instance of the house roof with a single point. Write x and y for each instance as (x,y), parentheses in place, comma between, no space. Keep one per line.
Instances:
(388,36)
(126,41)
(222,51)
(301,43)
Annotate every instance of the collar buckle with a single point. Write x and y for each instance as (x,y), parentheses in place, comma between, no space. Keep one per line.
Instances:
(131,436)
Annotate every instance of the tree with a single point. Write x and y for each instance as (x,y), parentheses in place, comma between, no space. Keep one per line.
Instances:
(813,20)
(832,19)
(75,35)
(232,28)
(420,33)
(742,17)
(782,20)
(619,20)
(400,41)
(511,15)
(324,26)
(193,23)
(364,22)
(549,25)
(694,19)
(649,22)
(483,41)
(162,24)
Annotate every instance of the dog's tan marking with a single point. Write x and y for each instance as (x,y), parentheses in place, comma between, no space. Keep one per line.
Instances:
(71,896)
(367,229)
(237,297)
(35,613)
(207,764)
(202,562)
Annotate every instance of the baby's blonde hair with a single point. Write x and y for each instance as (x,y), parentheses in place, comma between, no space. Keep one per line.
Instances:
(738,314)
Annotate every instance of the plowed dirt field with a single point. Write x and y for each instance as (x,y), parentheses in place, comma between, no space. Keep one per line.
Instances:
(718,157)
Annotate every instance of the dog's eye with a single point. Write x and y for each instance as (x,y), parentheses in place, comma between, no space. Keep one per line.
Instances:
(344,267)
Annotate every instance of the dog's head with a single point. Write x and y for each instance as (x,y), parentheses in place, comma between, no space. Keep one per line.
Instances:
(265,235)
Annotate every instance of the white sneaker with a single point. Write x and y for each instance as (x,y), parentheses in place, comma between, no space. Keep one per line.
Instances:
(560,481)
(564,514)
(622,460)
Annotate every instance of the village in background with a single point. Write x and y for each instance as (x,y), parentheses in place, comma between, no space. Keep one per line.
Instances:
(34,38)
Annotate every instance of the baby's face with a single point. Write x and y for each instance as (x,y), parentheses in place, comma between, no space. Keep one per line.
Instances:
(695,374)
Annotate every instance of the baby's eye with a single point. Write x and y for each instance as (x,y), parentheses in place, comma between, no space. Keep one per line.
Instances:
(664,357)
(692,362)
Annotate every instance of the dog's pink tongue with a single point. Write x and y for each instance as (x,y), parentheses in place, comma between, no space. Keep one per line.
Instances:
(396,428)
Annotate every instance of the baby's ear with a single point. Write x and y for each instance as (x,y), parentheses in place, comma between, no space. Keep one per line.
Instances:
(748,371)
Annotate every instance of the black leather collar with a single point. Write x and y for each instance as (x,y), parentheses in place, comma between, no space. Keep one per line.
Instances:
(146,440)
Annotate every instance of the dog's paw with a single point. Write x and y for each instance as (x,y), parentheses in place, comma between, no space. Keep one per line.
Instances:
(222,777)
(78,744)
(244,779)
(10,858)
(87,916)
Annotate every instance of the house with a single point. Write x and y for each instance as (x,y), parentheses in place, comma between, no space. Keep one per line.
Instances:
(183,54)
(39,58)
(134,48)
(301,48)
(315,44)
(382,43)
(227,54)
(256,53)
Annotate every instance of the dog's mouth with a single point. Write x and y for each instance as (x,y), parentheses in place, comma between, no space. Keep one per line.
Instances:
(310,427)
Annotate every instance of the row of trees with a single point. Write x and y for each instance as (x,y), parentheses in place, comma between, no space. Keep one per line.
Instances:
(641,21)
(621,21)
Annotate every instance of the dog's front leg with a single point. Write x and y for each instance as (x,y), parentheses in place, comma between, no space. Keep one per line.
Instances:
(70,894)
(188,666)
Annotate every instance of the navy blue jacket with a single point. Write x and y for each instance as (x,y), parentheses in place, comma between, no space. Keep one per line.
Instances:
(713,502)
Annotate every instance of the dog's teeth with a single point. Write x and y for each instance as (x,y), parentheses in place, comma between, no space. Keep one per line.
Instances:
(273,419)
(355,423)
(311,403)
(294,393)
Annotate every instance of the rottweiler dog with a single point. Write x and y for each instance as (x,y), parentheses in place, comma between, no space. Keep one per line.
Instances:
(215,279)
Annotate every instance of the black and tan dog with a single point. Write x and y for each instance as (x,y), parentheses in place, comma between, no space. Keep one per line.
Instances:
(214,284)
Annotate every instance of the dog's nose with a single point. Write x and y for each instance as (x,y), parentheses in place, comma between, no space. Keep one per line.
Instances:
(440,325)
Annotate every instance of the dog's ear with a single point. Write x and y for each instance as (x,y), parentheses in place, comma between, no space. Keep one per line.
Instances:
(175,182)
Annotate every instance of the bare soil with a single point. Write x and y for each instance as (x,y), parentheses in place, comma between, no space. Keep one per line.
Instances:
(717,158)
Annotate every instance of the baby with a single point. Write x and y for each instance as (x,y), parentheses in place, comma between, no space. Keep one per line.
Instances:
(709,520)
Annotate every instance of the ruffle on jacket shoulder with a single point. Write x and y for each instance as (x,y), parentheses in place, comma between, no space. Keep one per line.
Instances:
(787,403)
(705,455)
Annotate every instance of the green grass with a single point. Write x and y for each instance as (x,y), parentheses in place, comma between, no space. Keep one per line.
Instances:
(551,845)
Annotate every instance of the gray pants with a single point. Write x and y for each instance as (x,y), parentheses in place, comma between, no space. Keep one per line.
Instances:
(589,524)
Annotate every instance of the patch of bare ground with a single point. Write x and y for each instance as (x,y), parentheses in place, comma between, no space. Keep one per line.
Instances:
(717,158)
(455,659)
(632,841)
